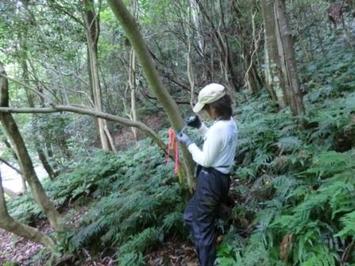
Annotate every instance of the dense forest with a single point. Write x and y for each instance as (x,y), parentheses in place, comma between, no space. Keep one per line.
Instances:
(89,90)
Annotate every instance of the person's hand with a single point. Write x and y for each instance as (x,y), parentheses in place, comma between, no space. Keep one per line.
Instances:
(183,138)
(193,121)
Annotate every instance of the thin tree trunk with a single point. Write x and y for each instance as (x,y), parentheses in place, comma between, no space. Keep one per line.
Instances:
(92,29)
(194,13)
(48,151)
(133,76)
(9,224)
(110,140)
(11,166)
(132,85)
(24,159)
(273,73)
(131,28)
(287,53)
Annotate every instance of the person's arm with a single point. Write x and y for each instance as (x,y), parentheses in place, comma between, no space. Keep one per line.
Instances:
(203,129)
(194,121)
(210,150)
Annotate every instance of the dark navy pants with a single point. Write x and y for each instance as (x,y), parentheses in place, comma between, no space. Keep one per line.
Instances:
(201,212)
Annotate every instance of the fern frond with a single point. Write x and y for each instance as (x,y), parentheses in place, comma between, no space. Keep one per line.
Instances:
(348,221)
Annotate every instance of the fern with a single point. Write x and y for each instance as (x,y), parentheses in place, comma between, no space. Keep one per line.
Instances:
(330,163)
(133,258)
(173,223)
(289,143)
(319,256)
(88,232)
(348,220)
(140,242)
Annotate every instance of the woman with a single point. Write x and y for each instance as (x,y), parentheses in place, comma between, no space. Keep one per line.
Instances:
(215,161)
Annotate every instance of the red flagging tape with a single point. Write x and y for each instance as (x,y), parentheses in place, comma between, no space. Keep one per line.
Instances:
(174,147)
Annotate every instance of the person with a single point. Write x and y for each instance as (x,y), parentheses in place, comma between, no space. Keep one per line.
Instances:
(215,161)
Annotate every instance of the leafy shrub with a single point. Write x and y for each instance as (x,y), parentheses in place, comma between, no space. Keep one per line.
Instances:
(141,192)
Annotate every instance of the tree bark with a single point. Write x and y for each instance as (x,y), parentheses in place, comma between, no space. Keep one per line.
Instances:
(133,84)
(11,225)
(92,29)
(287,54)
(131,28)
(24,159)
(273,74)
(132,80)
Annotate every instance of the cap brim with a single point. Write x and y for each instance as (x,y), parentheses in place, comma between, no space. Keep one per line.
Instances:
(198,107)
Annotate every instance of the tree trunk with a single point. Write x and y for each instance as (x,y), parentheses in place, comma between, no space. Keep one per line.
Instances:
(132,80)
(131,28)
(133,86)
(273,74)
(92,29)
(24,159)
(287,55)
(194,13)
(9,224)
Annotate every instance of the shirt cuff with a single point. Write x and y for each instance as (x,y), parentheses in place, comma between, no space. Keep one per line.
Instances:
(191,147)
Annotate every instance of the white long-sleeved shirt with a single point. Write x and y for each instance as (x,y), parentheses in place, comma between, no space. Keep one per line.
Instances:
(219,147)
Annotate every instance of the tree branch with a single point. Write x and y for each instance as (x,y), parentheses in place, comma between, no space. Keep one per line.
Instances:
(23,84)
(10,165)
(81,110)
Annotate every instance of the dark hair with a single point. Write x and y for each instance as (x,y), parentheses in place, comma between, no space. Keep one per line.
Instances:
(222,107)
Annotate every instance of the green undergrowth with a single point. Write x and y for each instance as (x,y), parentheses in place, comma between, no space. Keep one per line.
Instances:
(293,185)
(132,203)
(294,182)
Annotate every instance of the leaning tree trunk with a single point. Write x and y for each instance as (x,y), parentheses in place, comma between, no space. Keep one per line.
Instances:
(131,28)
(288,61)
(92,29)
(24,159)
(273,74)
(9,224)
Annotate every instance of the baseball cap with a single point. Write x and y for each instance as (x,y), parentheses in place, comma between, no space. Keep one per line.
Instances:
(209,94)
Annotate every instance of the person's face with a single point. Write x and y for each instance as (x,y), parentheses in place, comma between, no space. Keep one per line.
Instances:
(207,113)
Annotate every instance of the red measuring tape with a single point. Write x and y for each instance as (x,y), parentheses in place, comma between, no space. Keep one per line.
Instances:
(173,147)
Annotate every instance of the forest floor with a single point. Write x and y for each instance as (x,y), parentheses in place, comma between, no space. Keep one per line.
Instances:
(21,251)
(18,249)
